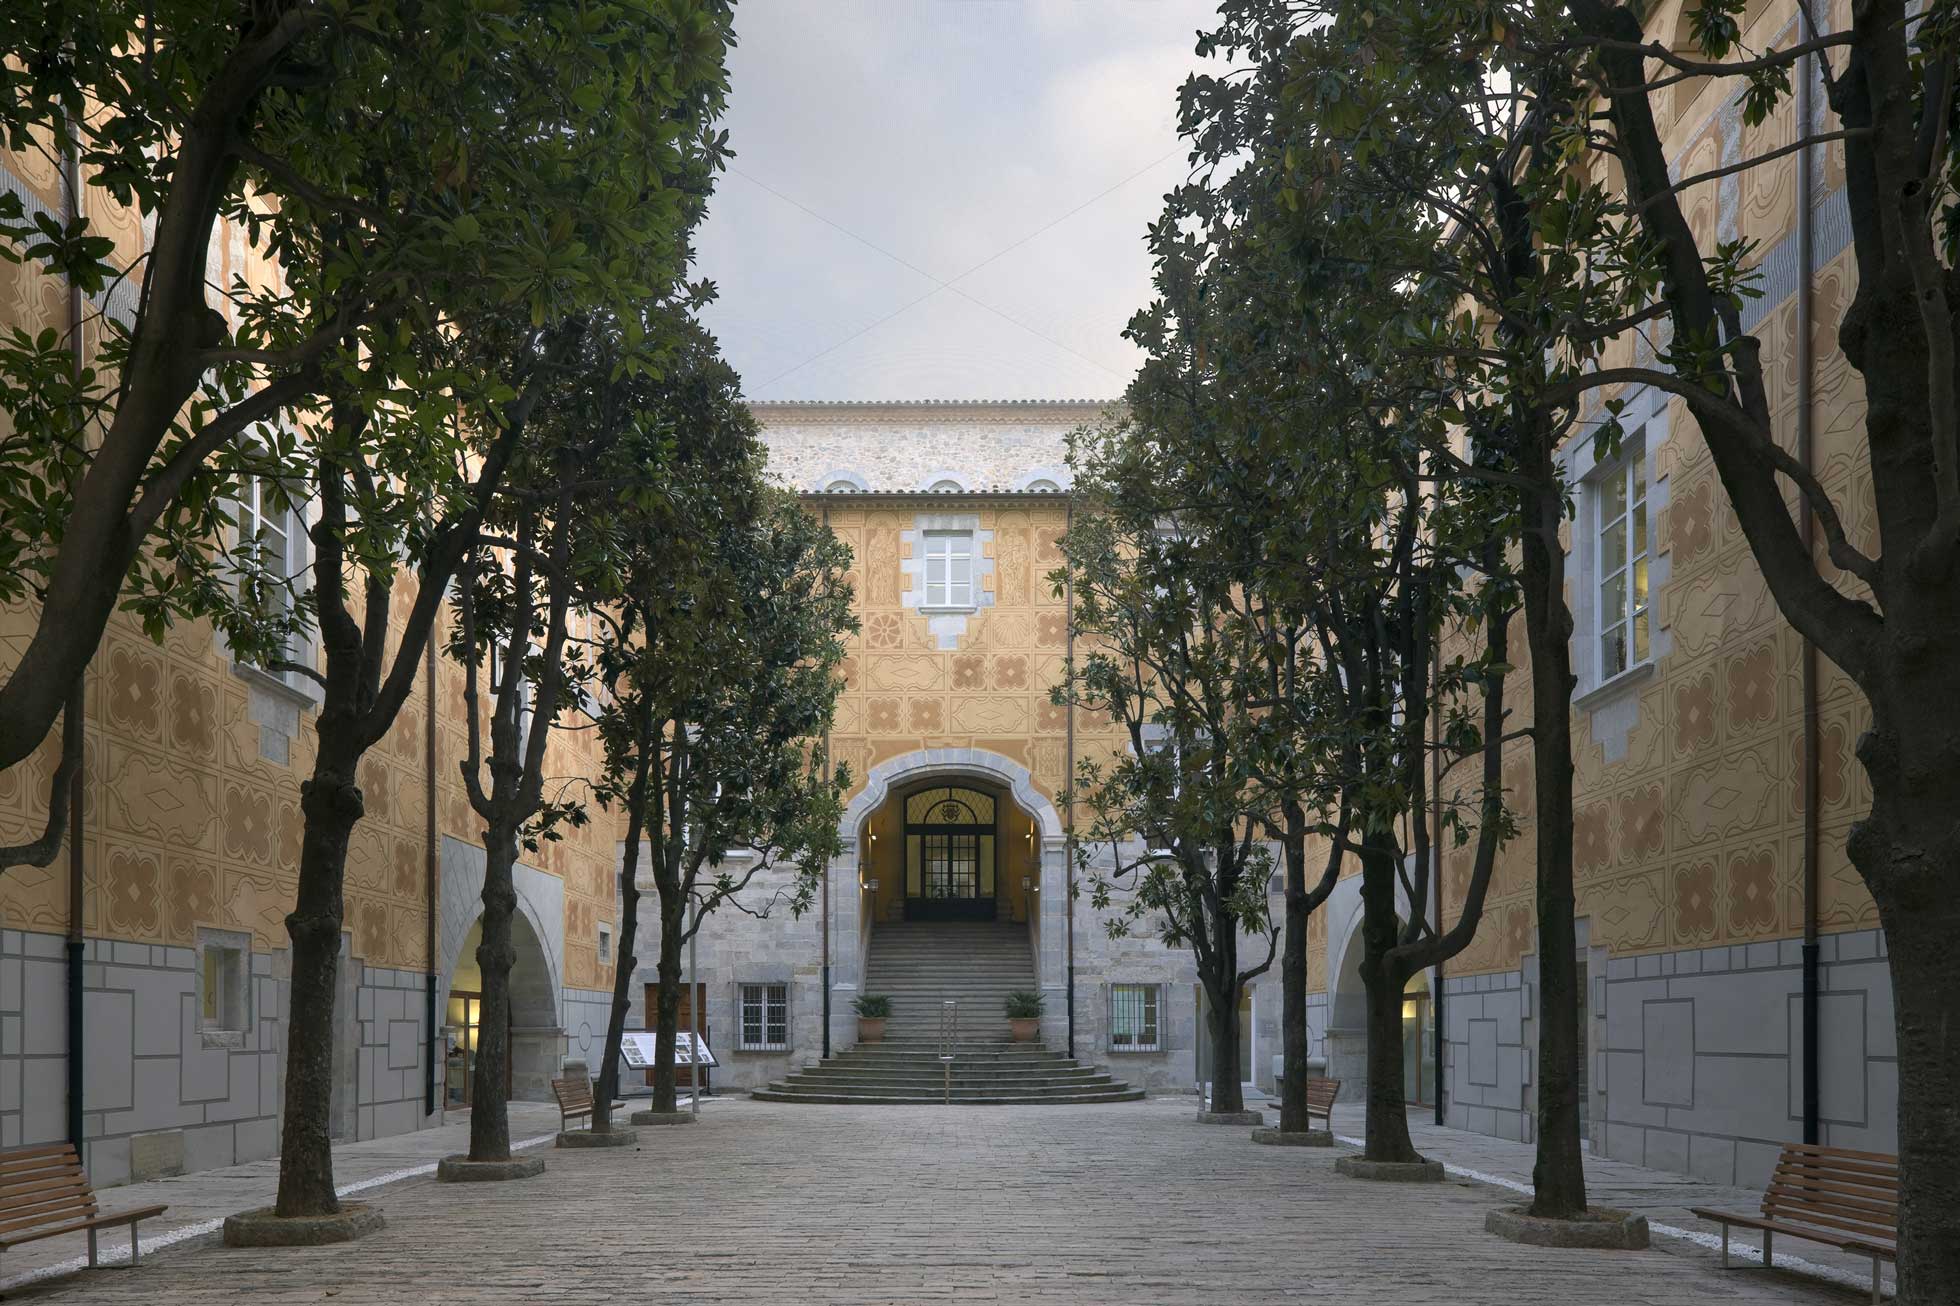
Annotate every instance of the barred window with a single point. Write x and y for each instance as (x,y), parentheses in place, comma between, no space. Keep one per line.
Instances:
(765,1017)
(1133,1025)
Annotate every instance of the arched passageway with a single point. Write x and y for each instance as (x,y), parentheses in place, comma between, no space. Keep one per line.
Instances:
(533,1019)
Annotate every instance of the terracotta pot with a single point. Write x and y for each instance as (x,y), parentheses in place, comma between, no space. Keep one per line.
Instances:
(871,1029)
(1024,1028)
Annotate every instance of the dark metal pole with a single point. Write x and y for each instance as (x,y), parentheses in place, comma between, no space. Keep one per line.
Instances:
(436,1049)
(829,770)
(74,729)
(1068,785)
(1436,878)
(1805,260)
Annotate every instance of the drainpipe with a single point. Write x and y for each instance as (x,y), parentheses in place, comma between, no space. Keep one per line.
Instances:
(75,713)
(829,770)
(1068,782)
(429,870)
(1436,875)
(1811,787)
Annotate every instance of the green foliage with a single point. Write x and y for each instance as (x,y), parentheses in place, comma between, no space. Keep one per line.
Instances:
(1024,1004)
(876,1006)
(560,155)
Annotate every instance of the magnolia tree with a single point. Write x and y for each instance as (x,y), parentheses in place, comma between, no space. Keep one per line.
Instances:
(586,221)
(725,726)
(1168,841)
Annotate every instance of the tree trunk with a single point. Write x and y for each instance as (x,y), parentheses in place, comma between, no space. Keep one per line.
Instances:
(489,1104)
(1293,991)
(668,1024)
(1226,1093)
(1926,1006)
(1388,1119)
(332,805)
(1908,851)
(624,965)
(1558,1175)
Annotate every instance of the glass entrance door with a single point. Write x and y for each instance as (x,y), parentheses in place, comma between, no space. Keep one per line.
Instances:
(950,839)
(459,1069)
(1418,1046)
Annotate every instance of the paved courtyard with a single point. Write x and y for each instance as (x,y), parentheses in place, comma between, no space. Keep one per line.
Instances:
(1132,1203)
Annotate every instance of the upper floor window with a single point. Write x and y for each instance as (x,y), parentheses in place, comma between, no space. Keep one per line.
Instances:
(946,487)
(1043,486)
(271,544)
(1623,541)
(842,487)
(949,569)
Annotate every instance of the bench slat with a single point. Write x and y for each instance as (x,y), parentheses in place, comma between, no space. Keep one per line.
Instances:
(1783,1193)
(113,1220)
(1861,1243)
(1864,1177)
(44,1191)
(1842,1153)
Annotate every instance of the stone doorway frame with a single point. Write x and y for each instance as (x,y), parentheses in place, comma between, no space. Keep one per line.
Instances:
(850,927)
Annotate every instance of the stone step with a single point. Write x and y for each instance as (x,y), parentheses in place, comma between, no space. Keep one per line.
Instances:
(777,1094)
(928,1083)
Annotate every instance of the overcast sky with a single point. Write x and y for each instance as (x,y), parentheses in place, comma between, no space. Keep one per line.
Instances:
(1014,149)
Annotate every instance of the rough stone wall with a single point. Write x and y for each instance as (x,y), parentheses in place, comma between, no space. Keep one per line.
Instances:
(985,445)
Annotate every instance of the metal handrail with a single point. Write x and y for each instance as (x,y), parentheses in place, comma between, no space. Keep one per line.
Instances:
(949,1036)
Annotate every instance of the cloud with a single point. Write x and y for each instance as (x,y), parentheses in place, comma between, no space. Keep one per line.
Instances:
(883,148)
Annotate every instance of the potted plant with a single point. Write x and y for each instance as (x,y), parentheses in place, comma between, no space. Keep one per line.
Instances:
(1024,1015)
(873,1010)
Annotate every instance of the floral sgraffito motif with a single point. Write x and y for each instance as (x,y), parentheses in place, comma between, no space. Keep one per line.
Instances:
(1592,847)
(928,716)
(884,715)
(1642,822)
(1752,682)
(1694,901)
(135,691)
(1752,892)
(1693,522)
(1051,630)
(883,630)
(1051,717)
(193,898)
(1694,713)
(193,714)
(135,907)
(969,671)
(248,824)
(1011,672)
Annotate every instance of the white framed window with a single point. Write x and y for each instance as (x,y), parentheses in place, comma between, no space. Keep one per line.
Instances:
(949,569)
(841,487)
(1042,485)
(605,944)
(1623,544)
(224,994)
(765,1018)
(272,534)
(946,485)
(1134,1024)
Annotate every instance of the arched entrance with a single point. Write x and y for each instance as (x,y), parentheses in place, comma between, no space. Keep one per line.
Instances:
(534,1033)
(912,861)
(951,849)
(1347,1028)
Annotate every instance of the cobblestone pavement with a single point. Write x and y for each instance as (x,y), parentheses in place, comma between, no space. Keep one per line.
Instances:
(1132,1203)
(199,1202)
(1664,1197)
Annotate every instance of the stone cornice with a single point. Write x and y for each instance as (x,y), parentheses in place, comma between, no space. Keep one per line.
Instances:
(1019,412)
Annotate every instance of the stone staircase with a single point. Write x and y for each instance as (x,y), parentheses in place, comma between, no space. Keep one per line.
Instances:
(923,965)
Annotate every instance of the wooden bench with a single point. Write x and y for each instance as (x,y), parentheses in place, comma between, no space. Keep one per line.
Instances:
(44,1192)
(1320,1100)
(575,1099)
(1830,1195)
